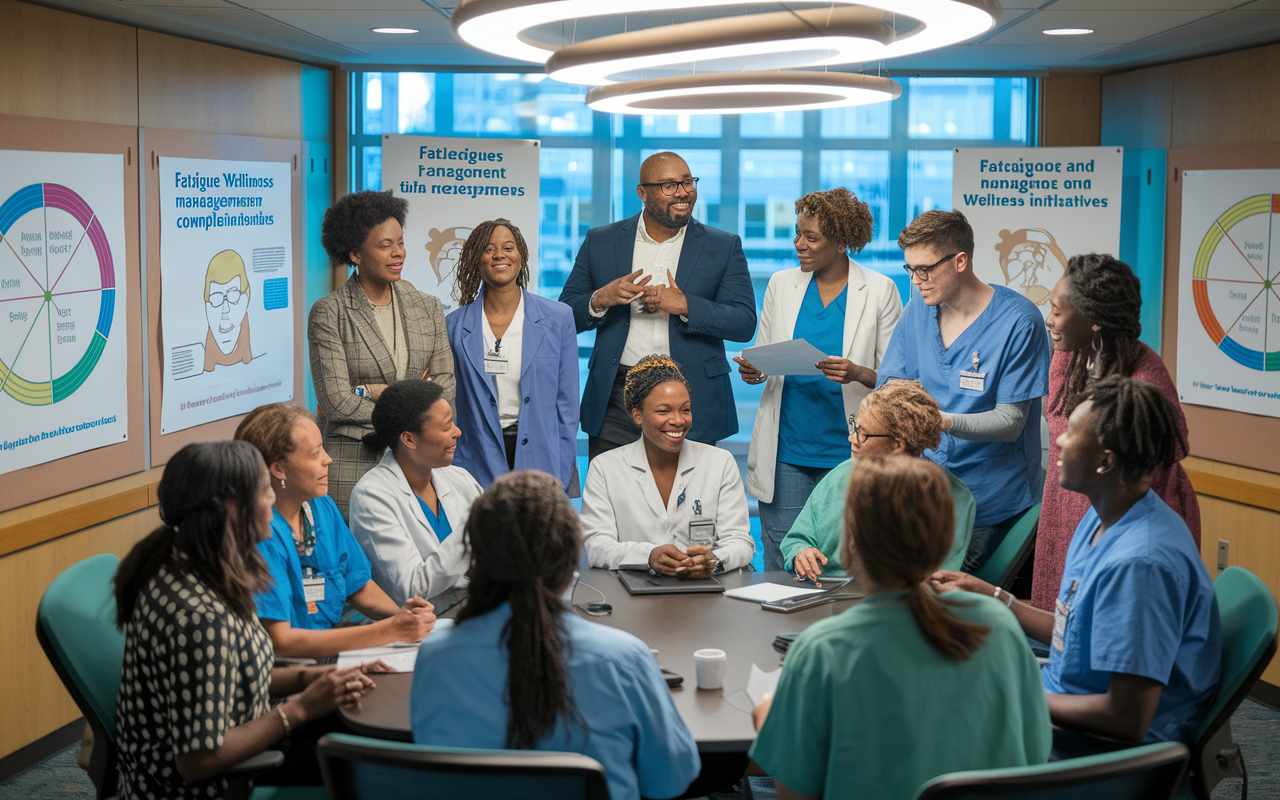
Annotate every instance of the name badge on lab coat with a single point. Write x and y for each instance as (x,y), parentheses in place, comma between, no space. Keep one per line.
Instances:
(973,380)
(495,366)
(313,593)
(1060,613)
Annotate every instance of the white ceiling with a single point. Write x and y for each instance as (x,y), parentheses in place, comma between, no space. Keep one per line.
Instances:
(1127,33)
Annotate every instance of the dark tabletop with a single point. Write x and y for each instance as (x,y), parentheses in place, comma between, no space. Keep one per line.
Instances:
(673,624)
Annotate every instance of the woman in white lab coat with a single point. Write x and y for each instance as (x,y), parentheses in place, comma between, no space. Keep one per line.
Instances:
(408,512)
(663,503)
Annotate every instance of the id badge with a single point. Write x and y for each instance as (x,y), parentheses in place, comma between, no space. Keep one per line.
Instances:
(495,366)
(313,593)
(702,532)
(1060,613)
(973,380)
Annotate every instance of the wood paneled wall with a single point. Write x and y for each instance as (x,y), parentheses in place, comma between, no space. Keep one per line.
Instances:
(1071,109)
(60,65)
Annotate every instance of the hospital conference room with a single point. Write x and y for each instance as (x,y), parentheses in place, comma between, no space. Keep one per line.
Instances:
(682,400)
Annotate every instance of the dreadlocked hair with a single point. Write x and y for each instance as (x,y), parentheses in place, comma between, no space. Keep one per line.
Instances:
(524,538)
(1135,421)
(466,281)
(648,373)
(840,215)
(1106,291)
(898,520)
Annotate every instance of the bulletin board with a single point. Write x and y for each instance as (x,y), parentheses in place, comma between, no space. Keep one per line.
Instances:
(1232,437)
(158,142)
(91,467)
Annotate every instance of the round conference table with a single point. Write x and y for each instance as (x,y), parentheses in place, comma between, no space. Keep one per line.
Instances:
(673,624)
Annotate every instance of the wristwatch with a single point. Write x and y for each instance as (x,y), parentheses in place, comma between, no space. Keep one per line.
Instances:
(362,392)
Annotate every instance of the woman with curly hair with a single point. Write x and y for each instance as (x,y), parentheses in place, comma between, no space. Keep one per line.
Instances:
(899,418)
(516,356)
(847,312)
(1094,323)
(371,331)
(662,503)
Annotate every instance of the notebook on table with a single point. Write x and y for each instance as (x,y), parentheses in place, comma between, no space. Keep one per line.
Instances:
(641,582)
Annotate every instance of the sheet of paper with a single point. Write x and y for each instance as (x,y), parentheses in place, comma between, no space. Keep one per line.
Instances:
(761,683)
(400,659)
(792,357)
(769,592)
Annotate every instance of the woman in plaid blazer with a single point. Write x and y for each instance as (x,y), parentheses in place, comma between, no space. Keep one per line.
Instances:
(371,331)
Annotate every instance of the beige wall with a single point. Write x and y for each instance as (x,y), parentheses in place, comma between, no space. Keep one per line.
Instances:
(1070,109)
(64,66)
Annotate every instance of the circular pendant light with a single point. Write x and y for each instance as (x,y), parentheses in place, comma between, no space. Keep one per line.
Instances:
(742,93)
(500,26)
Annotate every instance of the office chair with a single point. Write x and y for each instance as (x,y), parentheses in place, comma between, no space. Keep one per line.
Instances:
(1148,772)
(356,768)
(1018,541)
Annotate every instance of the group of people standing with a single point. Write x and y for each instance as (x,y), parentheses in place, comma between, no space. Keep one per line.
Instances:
(899,464)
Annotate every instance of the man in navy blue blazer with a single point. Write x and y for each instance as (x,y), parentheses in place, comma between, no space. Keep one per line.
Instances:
(660,282)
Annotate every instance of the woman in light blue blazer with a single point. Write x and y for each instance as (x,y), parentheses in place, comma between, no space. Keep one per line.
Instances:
(516,357)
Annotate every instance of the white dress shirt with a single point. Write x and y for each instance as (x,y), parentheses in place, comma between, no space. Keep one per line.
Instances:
(406,557)
(506,384)
(649,333)
(623,517)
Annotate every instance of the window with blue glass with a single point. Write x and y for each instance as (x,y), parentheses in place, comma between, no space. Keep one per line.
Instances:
(752,168)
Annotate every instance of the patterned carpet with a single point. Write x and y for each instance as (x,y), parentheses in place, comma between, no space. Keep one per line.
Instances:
(1256,729)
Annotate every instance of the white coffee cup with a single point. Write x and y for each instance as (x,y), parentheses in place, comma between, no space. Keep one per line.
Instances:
(709,664)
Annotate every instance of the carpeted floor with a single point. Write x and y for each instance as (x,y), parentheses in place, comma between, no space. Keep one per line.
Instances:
(1256,729)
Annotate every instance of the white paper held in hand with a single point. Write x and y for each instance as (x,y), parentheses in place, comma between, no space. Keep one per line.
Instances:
(792,357)
(761,683)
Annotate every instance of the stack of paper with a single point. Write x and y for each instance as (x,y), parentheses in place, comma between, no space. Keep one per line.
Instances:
(401,657)
(769,592)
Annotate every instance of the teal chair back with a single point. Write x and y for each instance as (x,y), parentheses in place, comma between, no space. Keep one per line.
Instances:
(1247,610)
(76,626)
(1149,772)
(1019,538)
(356,768)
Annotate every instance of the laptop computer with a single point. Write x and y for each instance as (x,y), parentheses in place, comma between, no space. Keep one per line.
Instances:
(641,582)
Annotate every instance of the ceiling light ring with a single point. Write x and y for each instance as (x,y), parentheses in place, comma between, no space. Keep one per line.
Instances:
(811,90)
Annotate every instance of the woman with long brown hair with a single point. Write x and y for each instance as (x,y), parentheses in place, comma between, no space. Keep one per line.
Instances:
(863,695)
(521,670)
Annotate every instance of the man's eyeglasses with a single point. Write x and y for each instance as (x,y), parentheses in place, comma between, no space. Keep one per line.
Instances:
(923,272)
(862,436)
(669,187)
(232,296)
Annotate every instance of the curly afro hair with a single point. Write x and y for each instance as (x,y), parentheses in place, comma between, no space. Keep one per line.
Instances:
(841,216)
(347,222)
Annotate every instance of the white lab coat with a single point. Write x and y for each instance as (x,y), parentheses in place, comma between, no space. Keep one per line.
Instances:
(872,308)
(623,518)
(407,558)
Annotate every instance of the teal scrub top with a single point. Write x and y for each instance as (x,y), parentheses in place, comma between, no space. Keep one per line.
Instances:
(812,431)
(865,708)
(440,525)
(821,521)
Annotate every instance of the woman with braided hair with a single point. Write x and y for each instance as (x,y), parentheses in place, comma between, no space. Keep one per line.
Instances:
(663,503)
(1134,638)
(521,671)
(1093,326)
(516,361)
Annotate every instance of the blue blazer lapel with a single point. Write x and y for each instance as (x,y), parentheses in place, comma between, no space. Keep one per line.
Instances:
(533,336)
(626,247)
(473,337)
(689,254)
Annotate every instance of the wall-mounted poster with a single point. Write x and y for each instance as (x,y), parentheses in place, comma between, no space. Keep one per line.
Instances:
(63,355)
(226,265)
(451,185)
(1033,208)
(1226,288)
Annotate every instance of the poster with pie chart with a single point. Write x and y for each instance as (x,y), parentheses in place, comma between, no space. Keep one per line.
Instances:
(63,357)
(1228,292)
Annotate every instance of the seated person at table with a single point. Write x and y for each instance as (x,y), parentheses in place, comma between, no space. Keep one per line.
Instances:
(898,418)
(405,508)
(904,686)
(520,670)
(316,565)
(1135,644)
(675,506)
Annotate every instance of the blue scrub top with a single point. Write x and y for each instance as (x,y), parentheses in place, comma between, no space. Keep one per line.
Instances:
(812,431)
(336,557)
(632,726)
(439,525)
(1141,602)
(1013,354)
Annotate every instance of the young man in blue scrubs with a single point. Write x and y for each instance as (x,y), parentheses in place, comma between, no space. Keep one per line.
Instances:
(983,353)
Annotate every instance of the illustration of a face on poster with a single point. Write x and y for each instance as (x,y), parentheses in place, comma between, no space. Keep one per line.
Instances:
(226,307)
